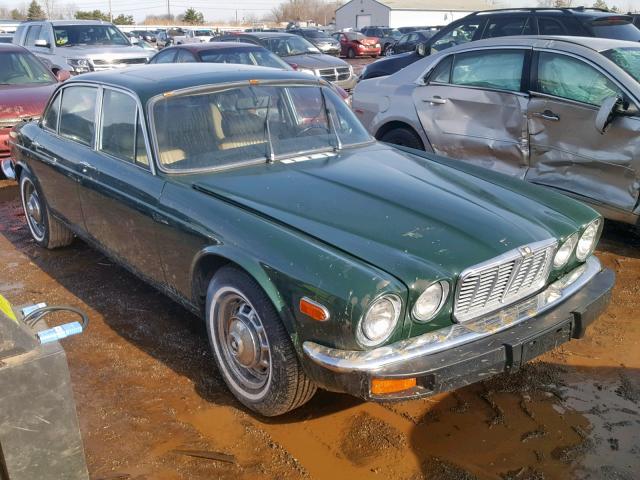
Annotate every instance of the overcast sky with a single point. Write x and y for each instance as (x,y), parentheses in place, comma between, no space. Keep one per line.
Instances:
(216,10)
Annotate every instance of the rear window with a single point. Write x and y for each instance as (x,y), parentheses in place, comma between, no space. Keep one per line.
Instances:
(619,28)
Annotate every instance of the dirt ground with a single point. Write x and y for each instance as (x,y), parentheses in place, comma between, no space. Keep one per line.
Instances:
(145,386)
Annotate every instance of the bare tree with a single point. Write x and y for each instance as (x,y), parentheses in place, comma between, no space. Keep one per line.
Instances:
(555,3)
(318,11)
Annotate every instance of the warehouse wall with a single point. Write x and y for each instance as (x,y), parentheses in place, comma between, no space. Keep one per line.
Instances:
(346,16)
(408,18)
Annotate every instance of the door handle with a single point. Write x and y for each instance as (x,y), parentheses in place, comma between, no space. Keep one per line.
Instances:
(435,100)
(547,115)
(85,167)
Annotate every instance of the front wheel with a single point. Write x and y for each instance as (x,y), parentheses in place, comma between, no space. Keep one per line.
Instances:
(47,231)
(389,51)
(252,348)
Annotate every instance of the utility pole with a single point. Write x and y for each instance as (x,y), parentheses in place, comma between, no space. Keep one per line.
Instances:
(236,17)
(110,13)
(168,10)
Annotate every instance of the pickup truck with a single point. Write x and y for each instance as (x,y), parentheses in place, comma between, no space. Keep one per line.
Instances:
(194,35)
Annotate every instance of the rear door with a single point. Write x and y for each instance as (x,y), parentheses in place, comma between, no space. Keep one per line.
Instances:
(119,190)
(472,108)
(567,152)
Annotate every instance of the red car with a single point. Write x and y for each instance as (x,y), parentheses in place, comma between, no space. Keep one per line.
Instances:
(25,87)
(355,44)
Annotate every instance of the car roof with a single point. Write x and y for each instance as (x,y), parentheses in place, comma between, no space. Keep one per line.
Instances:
(12,47)
(596,44)
(71,22)
(198,47)
(263,34)
(150,80)
(579,11)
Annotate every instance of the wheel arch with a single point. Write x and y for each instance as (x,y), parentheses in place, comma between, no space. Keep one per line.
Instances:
(211,259)
(393,124)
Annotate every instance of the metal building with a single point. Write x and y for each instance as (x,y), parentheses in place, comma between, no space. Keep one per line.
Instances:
(403,13)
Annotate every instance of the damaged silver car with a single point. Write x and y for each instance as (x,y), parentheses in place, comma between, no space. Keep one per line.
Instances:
(562,112)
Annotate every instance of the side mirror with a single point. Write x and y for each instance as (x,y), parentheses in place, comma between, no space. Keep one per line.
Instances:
(41,43)
(607,112)
(61,74)
(422,50)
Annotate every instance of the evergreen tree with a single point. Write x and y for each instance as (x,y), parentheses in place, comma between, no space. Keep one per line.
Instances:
(35,11)
(193,17)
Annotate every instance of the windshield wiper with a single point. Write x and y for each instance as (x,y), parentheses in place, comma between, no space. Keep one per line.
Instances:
(332,124)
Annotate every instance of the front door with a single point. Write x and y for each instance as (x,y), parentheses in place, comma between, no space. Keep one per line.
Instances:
(119,192)
(567,152)
(472,109)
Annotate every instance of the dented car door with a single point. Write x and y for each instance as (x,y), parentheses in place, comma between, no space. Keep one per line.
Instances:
(472,108)
(567,151)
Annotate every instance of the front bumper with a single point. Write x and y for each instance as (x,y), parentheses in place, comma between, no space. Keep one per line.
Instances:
(348,84)
(467,353)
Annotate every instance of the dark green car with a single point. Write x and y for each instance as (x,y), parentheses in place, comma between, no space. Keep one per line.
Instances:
(315,255)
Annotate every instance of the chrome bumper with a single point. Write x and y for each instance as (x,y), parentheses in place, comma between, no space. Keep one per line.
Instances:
(369,361)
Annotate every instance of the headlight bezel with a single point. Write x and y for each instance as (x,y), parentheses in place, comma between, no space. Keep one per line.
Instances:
(362,337)
(573,238)
(308,71)
(445,289)
(80,65)
(597,225)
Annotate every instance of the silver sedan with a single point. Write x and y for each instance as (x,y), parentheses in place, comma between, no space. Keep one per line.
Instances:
(562,112)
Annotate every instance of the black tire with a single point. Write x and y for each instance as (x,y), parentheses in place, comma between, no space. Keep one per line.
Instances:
(351,53)
(46,230)
(404,137)
(285,385)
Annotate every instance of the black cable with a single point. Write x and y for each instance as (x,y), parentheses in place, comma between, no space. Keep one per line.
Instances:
(32,317)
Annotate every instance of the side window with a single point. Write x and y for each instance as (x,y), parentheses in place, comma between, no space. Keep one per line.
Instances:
(499,69)
(463,33)
(77,114)
(550,26)
(50,119)
(573,79)
(504,26)
(442,72)
(403,39)
(165,56)
(33,34)
(121,134)
(185,56)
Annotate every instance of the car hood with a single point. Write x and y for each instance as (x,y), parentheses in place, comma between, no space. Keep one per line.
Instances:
(412,217)
(24,101)
(116,51)
(316,60)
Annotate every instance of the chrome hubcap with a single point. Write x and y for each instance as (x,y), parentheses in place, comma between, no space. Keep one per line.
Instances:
(243,341)
(33,210)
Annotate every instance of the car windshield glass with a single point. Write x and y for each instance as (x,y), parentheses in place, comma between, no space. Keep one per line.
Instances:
(294,45)
(203,33)
(627,58)
(315,34)
(72,35)
(19,68)
(355,36)
(262,58)
(392,32)
(251,124)
(617,30)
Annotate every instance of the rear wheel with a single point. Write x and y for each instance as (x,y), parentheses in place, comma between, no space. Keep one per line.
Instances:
(252,348)
(47,231)
(389,51)
(404,137)
(351,53)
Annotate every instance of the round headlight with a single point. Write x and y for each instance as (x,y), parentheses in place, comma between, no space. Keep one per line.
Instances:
(587,242)
(564,252)
(430,302)
(380,320)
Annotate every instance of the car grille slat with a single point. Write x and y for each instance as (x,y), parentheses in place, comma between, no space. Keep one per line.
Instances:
(495,284)
(102,64)
(334,74)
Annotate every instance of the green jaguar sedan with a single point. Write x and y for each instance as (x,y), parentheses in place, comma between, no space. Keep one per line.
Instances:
(317,256)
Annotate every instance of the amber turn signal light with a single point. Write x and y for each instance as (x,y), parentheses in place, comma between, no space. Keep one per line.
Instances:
(386,385)
(314,309)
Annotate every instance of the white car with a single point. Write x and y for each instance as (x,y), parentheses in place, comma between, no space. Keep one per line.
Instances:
(194,35)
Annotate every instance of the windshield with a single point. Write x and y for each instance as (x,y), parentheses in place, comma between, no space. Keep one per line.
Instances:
(20,68)
(287,46)
(72,35)
(203,33)
(315,34)
(617,30)
(251,124)
(392,32)
(355,36)
(261,58)
(627,58)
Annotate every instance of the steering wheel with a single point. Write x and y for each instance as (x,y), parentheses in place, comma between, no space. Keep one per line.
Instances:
(309,130)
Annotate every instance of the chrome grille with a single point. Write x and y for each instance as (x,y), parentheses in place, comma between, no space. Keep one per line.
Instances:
(334,74)
(101,64)
(503,280)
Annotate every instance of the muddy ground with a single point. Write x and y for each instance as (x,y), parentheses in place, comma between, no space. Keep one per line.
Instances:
(146,386)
